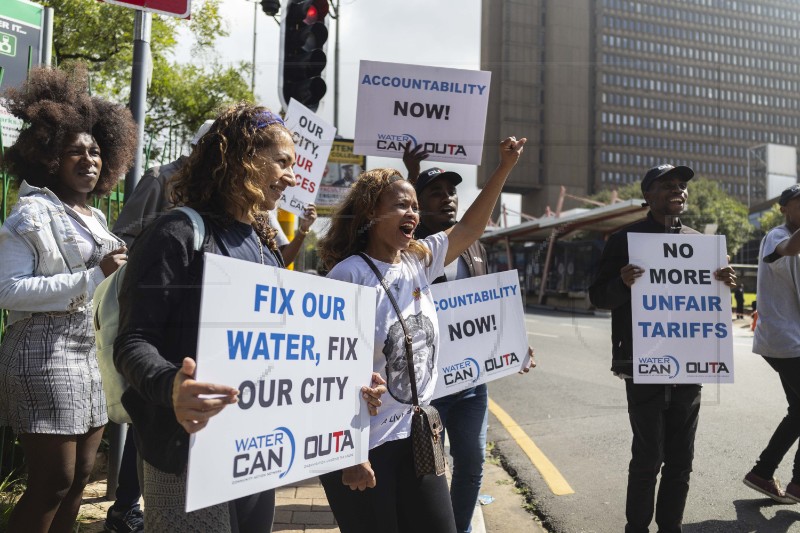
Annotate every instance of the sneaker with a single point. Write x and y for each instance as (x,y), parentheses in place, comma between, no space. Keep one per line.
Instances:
(771,487)
(793,491)
(131,521)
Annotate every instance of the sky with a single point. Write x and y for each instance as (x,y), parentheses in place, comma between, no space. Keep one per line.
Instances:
(443,33)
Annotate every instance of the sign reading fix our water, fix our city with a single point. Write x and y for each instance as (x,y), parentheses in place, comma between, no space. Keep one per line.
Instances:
(681,315)
(299,348)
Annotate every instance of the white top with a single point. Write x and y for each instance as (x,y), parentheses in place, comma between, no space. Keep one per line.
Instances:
(85,237)
(778,291)
(410,282)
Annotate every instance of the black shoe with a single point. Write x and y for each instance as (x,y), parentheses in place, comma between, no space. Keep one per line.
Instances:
(131,521)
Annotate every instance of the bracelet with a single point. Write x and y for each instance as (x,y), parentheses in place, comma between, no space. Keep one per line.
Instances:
(301,232)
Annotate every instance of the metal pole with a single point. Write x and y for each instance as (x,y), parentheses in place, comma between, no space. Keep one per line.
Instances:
(141,52)
(748,181)
(336,66)
(255,34)
(47,37)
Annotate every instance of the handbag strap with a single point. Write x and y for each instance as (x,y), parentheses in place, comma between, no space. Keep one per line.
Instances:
(406,334)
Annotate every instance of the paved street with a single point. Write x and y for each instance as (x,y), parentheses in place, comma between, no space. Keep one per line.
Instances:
(574,410)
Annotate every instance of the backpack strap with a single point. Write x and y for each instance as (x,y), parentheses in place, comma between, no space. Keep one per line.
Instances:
(198,225)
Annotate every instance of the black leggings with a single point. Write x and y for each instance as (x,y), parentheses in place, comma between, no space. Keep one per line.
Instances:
(401,502)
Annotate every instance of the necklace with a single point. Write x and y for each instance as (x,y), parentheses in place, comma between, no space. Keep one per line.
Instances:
(260,247)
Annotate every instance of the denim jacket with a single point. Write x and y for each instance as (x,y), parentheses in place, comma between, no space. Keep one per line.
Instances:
(41,269)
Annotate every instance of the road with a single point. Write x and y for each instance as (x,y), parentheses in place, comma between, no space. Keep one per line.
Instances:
(574,410)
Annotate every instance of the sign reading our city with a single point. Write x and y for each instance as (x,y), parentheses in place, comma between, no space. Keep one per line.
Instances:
(312,144)
(299,348)
(442,109)
(482,333)
(681,314)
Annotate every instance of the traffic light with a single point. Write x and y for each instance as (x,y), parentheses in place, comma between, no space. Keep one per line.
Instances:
(271,7)
(304,32)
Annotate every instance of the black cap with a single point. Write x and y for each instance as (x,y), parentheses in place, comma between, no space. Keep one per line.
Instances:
(788,194)
(684,173)
(427,176)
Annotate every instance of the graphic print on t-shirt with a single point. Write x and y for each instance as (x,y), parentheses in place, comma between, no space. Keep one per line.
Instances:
(394,349)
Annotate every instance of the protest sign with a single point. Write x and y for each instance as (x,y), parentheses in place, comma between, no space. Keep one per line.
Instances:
(342,171)
(681,314)
(10,126)
(482,333)
(312,143)
(299,348)
(443,109)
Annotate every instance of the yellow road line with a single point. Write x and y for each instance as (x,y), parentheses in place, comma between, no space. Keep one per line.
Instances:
(558,485)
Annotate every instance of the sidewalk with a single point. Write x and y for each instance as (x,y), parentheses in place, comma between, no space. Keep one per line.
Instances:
(302,507)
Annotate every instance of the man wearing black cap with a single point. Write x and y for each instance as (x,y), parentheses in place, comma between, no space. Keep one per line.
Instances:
(464,414)
(663,417)
(777,340)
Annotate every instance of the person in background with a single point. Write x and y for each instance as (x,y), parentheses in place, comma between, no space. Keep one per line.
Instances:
(54,251)
(236,174)
(663,418)
(776,339)
(465,413)
(378,217)
(738,295)
(151,198)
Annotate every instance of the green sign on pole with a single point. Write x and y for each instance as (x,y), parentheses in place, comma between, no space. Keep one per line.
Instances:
(20,40)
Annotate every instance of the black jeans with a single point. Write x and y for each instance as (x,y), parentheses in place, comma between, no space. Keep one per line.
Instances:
(401,502)
(664,423)
(788,431)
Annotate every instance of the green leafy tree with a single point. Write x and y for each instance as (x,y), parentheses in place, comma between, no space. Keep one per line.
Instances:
(709,204)
(772,218)
(180,97)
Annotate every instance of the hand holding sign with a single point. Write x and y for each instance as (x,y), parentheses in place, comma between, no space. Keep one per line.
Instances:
(629,274)
(191,410)
(373,394)
(359,477)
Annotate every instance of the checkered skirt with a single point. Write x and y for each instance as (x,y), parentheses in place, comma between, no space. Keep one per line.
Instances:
(49,379)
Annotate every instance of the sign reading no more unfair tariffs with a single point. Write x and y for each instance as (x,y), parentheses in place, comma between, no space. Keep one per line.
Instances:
(681,315)
(299,348)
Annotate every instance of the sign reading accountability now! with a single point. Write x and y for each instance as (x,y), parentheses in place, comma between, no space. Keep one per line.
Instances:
(482,333)
(299,348)
(312,144)
(443,109)
(681,314)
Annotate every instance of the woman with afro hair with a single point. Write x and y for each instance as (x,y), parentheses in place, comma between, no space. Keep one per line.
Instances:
(54,251)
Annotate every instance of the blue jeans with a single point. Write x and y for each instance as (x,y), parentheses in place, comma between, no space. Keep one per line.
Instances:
(464,416)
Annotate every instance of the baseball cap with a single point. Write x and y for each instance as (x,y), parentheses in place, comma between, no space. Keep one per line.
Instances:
(658,172)
(202,130)
(788,194)
(426,177)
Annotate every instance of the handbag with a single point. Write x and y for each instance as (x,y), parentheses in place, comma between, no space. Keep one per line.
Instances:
(427,439)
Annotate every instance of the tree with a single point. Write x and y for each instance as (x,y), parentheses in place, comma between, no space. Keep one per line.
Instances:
(180,97)
(772,218)
(709,204)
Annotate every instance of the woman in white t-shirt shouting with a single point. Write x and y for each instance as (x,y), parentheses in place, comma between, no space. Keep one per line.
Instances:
(378,217)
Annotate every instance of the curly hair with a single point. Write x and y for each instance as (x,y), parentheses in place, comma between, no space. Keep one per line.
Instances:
(55,105)
(348,233)
(222,171)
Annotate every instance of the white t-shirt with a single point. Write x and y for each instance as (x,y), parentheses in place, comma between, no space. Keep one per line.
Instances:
(778,294)
(410,282)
